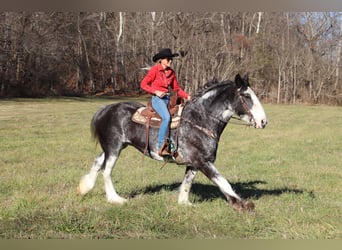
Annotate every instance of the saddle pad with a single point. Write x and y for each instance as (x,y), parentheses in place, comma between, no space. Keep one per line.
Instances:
(155,122)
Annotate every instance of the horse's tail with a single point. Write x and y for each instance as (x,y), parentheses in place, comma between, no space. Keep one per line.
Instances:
(94,122)
(93,131)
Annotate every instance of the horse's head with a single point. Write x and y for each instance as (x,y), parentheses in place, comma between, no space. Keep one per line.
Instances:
(249,108)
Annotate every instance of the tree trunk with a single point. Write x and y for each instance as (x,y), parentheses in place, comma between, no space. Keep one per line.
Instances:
(259,21)
(224,32)
(119,54)
(279,84)
(294,80)
(338,60)
(79,54)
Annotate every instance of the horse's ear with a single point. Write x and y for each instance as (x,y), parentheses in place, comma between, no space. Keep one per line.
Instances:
(238,81)
(246,79)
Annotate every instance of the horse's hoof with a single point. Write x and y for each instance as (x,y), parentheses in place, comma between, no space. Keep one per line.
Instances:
(185,203)
(117,200)
(78,191)
(82,189)
(242,206)
(249,206)
(85,185)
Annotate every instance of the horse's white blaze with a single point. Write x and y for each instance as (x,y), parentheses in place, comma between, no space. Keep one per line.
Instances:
(111,194)
(257,110)
(87,182)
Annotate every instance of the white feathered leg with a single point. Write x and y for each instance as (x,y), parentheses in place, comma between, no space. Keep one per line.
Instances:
(184,189)
(111,194)
(87,182)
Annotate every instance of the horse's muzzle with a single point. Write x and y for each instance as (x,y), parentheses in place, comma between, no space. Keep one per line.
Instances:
(261,124)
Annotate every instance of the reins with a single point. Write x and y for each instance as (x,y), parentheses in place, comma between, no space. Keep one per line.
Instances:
(241,123)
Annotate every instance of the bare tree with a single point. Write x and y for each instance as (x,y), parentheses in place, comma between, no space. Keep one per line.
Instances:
(291,57)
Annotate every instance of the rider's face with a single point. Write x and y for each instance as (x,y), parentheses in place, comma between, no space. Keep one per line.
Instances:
(166,62)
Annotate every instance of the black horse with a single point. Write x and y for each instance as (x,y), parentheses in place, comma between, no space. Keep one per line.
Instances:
(202,121)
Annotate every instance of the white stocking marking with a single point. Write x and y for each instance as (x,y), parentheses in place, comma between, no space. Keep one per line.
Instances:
(223,184)
(87,182)
(225,187)
(111,194)
(183,197)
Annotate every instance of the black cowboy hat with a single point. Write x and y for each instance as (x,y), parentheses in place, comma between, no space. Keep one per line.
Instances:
(164,53)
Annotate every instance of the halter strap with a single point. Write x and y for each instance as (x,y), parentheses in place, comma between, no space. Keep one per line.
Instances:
(245,106)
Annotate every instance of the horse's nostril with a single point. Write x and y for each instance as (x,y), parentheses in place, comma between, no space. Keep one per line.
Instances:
(264,123)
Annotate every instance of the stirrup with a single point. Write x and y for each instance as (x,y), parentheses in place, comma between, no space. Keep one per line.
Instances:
(163,150)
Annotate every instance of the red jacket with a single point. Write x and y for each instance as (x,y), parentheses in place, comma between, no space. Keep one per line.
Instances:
(157,79)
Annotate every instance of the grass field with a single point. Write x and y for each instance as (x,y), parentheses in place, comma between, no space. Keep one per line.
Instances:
(292,171)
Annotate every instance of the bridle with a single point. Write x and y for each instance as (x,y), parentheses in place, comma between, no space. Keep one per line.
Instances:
(246,108)
(210,133)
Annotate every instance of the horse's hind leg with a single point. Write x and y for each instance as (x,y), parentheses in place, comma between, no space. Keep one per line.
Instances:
(184,189)
(87,182)
(111,194)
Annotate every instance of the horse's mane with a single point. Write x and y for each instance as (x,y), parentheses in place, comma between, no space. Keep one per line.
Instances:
(210,85)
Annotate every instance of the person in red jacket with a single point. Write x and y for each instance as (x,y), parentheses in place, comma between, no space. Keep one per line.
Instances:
(158,80)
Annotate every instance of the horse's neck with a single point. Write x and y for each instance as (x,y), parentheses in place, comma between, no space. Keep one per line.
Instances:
(202,116)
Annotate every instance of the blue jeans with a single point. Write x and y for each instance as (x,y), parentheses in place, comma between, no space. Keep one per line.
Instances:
(160,105)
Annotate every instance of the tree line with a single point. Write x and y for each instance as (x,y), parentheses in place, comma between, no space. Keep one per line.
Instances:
(290,57)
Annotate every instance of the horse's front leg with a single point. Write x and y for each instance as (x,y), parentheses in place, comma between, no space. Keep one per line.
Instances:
(234,200)
(184,189)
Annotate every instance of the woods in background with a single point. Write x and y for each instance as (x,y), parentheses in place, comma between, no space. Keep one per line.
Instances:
(291,57)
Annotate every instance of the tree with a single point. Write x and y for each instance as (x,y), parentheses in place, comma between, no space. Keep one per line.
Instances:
(291,57)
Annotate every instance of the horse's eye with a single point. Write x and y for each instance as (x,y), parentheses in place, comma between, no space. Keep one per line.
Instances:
(246,95)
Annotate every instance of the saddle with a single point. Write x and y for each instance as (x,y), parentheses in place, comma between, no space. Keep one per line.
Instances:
(149,117)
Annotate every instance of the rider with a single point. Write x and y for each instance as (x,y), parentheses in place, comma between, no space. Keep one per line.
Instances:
(157,82)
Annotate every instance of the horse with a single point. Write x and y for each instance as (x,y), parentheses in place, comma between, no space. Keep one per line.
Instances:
(203,120)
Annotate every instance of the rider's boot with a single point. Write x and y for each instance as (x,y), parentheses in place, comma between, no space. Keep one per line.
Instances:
(164,149)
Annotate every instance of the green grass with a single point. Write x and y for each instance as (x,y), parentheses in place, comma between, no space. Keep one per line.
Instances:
(291,170)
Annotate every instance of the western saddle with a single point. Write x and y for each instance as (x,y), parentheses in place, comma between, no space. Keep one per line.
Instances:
(150,118)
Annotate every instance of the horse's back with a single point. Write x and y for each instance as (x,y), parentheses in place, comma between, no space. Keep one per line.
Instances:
(115,110)
(112,117)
